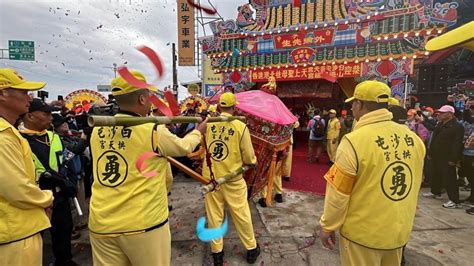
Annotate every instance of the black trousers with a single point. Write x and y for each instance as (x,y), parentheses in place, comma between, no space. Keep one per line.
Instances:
(444,176)
(468,170)
(428,170)
(61,230)
(88,179)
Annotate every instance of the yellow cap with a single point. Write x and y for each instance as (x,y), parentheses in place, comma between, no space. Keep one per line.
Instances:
(332,111)
(9,78)
(212,108)
(121,86)
(371,91)
(228,100)
(393,101)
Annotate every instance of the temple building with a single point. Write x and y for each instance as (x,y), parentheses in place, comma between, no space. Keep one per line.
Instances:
(316,51)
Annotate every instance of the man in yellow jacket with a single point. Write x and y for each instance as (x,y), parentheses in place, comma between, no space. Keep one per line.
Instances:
(372,188)
(332,136)
(22,202)
(128,220)
(230,148)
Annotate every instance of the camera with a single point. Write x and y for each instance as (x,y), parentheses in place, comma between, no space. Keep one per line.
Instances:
(43,94)
(109,109)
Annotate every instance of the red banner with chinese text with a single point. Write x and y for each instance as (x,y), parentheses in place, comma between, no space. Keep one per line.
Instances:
(304,38)
(307,73)
(302,55)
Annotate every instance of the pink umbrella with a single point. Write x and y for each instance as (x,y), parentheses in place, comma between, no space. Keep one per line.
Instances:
(265,106)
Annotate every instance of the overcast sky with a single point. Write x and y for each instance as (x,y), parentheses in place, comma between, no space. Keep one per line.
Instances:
(75,40)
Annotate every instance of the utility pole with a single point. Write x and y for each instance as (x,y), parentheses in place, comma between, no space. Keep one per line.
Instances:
(114,68)
(3,54)
(175,71)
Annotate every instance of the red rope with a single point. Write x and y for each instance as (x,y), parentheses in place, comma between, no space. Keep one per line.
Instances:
(209,164)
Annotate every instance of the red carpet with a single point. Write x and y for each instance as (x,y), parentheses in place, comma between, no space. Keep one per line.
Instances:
(305,176)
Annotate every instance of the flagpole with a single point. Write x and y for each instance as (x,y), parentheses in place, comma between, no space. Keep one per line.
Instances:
(405,91)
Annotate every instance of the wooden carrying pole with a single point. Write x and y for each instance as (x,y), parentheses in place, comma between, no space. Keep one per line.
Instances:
(101,121)
(188,171)
(210,187)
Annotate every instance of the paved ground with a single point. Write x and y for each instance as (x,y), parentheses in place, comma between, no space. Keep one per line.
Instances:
(285,233)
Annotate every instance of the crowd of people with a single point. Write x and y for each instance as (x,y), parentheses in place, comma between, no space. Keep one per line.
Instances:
(59,174)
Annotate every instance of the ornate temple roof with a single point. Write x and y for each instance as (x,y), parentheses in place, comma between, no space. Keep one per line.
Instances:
(313,11)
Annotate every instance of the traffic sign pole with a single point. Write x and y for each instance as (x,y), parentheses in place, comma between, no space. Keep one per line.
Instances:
(4,54)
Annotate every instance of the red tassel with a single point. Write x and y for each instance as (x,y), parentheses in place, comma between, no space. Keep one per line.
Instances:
(154,58)
(172,103)
(161,106)
(209,11)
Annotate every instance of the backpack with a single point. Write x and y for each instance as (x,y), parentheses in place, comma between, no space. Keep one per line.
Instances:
(318,128)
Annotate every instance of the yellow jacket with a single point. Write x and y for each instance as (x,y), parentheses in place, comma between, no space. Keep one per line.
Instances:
(334,127)
(22,202)
(123,200)
(373,186)
(230,146)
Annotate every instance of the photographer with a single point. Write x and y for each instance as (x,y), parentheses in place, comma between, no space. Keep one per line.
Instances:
(430,123)
(75,169)
(71,120)
(415,123)
(72,143)
(47,151)
(428,120)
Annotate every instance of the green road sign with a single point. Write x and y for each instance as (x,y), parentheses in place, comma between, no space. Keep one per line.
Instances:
(21,50)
